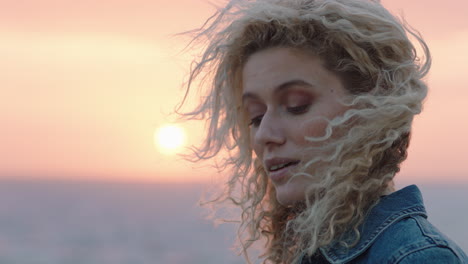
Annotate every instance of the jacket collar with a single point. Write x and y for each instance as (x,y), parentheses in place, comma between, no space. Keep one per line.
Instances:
(390,209)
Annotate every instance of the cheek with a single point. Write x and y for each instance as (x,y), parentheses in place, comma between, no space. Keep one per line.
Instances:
(315,129)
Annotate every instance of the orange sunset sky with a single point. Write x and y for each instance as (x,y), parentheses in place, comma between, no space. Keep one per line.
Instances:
(85,84)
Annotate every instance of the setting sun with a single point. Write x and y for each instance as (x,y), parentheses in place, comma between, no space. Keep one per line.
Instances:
(168,138)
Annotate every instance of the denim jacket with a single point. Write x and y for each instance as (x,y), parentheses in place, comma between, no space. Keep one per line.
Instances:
(395,231)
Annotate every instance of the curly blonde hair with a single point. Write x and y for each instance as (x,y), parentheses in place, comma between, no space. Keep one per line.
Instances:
(370,51)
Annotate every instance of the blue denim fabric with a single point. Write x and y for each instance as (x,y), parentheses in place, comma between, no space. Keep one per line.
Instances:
(395,231)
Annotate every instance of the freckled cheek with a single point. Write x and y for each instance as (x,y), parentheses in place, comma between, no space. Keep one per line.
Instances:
(315,128)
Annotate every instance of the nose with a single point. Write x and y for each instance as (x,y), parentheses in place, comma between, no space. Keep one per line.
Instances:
(270,131)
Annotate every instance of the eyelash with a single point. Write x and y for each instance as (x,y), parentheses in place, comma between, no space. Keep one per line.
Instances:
(255,122)
(297,110)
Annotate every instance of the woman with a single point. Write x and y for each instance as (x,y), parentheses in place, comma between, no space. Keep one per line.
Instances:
(313,101)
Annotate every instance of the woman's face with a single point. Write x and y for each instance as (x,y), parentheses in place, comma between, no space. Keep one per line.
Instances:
(285,93)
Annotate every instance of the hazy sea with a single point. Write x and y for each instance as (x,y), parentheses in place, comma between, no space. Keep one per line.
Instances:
(59,222)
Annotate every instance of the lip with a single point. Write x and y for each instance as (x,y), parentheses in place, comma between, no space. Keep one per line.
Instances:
(280,175)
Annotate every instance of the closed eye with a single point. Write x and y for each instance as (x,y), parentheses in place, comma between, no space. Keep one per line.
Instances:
(255,122)
(297,110)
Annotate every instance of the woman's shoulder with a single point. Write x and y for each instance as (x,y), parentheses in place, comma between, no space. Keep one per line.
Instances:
(409,240)
(404,234)
(396,230)
(415,240)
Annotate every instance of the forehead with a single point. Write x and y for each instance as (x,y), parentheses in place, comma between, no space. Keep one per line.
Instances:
(270,68)
(278,60)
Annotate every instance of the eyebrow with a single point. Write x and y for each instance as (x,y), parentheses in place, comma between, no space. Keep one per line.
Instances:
(278,89)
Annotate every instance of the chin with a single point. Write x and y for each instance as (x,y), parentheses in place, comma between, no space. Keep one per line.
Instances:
(291,192)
